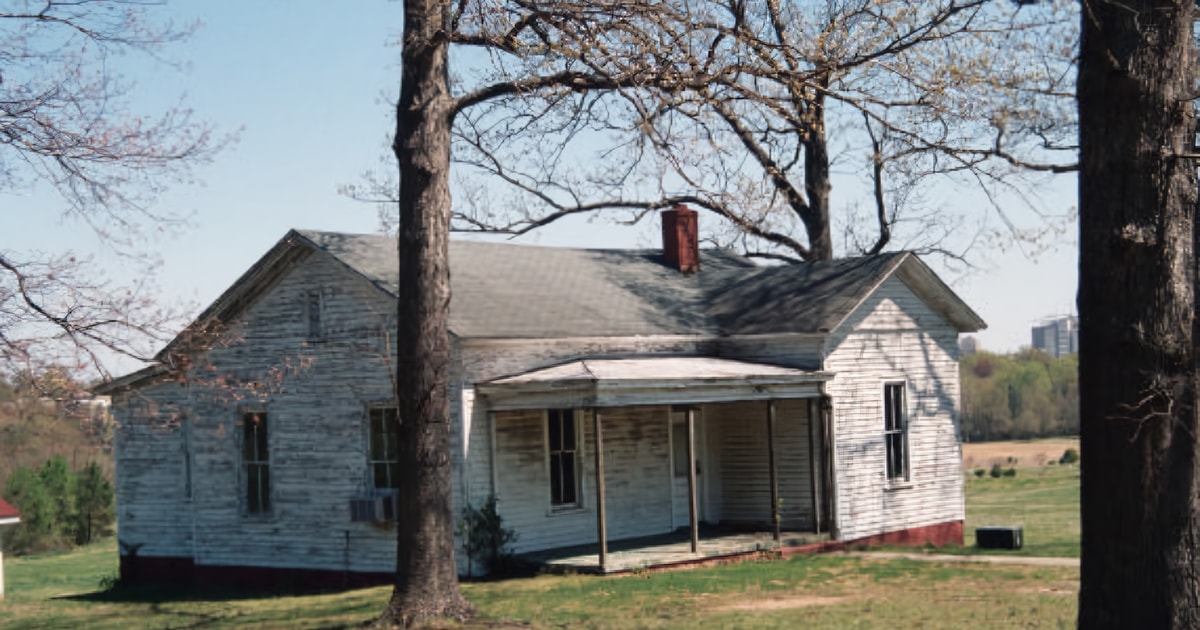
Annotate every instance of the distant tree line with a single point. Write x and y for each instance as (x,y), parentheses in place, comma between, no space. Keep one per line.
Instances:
(59,507)
(1027,394)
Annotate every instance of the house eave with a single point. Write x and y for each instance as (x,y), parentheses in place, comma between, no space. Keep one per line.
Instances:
(133,380)
(618,383)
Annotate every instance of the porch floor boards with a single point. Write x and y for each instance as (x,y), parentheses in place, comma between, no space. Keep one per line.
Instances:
(665,550)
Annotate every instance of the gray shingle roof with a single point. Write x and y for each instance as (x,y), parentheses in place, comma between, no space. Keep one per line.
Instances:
(519,291)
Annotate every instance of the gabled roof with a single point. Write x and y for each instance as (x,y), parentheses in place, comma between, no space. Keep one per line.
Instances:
(8,513)
(502,290)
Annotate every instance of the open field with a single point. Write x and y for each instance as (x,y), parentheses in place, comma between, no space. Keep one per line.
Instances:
(1027,453)
(830,591)
(1043,499)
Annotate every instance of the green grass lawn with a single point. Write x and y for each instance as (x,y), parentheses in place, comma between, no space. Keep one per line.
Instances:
(831,591)
(1044,500)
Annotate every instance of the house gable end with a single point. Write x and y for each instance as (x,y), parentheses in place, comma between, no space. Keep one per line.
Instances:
(281,260)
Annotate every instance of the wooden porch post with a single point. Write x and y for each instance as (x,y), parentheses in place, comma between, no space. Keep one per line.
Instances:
(813,467)
(601,525)
(693,517)
(772,471)
(828,475)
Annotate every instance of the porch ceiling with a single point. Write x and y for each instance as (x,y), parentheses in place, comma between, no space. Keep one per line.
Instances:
(650,381)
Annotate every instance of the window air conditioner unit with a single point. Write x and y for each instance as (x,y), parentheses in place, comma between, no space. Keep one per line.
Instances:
(379,507)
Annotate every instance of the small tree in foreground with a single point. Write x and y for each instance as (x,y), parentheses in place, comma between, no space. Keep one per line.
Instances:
(94,507)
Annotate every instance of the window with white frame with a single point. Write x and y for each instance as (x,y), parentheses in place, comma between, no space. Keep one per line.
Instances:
(256,463)
(564,458)
(383,446)
(895,431)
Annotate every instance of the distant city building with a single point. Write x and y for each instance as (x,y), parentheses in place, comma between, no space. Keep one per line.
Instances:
(1057,336)
(968,345)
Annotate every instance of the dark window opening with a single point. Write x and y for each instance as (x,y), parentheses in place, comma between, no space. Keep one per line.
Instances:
(564,450)
(256,463)
(383,447)
(895,431)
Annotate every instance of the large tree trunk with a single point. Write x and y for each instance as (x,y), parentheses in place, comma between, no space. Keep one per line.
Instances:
(426,572)
(817,185)
(1137,371)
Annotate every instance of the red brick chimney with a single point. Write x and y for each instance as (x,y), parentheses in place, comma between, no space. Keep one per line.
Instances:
(681,239)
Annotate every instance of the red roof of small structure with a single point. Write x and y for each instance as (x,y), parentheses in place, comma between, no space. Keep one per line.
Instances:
(8,511)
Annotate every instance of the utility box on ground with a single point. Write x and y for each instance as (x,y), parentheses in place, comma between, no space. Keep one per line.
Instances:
(998,537)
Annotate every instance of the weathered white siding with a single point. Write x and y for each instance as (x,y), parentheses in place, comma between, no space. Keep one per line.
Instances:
(315,395)
(743,456)
(895,336)
(637,478)
(154,513)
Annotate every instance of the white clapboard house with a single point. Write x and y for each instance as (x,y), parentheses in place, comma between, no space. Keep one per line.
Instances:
(818,399)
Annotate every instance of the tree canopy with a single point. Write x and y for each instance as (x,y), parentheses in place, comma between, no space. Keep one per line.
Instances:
(755,110)
(1019,396)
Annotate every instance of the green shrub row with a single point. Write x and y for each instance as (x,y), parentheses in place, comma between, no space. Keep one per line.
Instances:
(59,507)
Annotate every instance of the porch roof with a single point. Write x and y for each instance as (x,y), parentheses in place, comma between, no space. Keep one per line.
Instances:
(649,381)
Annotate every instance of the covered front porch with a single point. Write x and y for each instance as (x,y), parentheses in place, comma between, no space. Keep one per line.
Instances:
(673,549)
(590,460)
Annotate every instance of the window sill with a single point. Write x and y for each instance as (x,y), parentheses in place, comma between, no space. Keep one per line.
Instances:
(563,510)
(898,486)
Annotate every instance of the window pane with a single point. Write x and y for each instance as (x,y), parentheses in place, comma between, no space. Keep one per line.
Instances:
(249,428)
(379,442)
(555,430)
(392,446)
(679,446)
(264,478)
(258,488)
(383,476)
(260,442)
(568,430)
(556,479)
(568,479)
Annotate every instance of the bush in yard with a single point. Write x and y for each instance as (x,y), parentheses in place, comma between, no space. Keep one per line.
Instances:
(485,538)
(1069,456)
(979,472)
(996,471)
(36,531)
(1010,472)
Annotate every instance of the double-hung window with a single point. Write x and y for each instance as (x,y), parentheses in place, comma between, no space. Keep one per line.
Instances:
(256,463)
(564,458)
(895,431)
(382,447)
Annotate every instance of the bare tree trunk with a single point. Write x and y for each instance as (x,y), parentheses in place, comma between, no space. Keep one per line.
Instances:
(426,572)
(817,184)
(1137,362)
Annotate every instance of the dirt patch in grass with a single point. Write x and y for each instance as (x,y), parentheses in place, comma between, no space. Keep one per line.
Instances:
(1053,588)
(785,602)
(1027,453)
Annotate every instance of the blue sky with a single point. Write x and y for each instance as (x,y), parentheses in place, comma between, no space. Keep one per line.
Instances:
(307,84)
